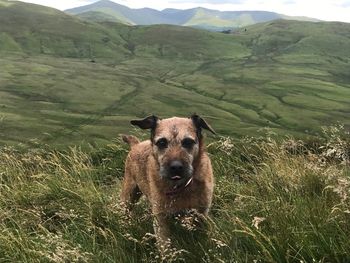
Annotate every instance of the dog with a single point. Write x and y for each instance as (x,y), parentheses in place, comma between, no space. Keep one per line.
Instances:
(172,169)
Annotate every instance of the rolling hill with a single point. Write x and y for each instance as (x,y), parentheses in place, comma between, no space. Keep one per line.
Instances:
(106,10)
(36,29)
(65,81)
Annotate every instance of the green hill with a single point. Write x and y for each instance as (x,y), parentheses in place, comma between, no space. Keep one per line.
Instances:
(35,30)
(195,17)
(65,81)
(97,16)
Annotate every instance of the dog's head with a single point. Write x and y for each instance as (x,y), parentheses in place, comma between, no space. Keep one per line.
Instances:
(176,144)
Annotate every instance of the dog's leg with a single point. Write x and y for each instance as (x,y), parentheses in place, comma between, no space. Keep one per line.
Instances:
(130,192)
(202,219)
(161,230)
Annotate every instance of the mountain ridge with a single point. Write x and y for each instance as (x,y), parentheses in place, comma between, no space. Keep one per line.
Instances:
(196,17)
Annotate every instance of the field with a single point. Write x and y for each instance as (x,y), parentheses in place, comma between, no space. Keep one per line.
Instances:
(272,203)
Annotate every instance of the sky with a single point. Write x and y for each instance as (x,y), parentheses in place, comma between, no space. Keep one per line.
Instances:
(329,10)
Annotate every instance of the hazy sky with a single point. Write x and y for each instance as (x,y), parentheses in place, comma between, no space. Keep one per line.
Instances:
(331,10)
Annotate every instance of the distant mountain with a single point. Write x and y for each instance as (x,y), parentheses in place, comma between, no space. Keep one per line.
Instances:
(106,10)
(38,30)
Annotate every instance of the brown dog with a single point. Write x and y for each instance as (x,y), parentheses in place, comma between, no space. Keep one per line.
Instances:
(172,169)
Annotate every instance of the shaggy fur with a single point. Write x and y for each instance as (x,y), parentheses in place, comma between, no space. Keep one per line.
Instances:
(172,169)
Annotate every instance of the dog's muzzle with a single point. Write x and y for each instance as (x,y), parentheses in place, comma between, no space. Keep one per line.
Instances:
(179,176)
(176,170)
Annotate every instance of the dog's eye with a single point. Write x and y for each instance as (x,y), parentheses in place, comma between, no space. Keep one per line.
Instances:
(162,143)
(188,143)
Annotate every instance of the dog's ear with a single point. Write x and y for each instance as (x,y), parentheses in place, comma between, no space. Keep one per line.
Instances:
(200,124)
(149,122)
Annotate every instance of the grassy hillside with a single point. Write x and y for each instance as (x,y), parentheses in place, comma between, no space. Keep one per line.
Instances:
(143,16)
(97,16)
(291,77)
(34,30)
(272,203)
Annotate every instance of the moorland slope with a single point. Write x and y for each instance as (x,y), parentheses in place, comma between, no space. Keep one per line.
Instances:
(72,81)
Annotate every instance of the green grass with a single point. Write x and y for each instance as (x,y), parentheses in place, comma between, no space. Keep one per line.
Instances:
(272,203)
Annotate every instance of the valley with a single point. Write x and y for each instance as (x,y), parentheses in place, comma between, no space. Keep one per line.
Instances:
(82,86)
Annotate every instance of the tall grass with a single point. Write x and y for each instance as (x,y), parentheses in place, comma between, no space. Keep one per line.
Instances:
(275,201)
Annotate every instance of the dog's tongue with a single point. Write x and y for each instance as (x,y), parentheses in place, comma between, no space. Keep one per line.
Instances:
(176,177)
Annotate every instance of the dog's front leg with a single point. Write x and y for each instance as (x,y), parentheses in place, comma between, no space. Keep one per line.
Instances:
(161,230)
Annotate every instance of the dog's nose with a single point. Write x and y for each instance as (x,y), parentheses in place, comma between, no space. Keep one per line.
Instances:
(176,167)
